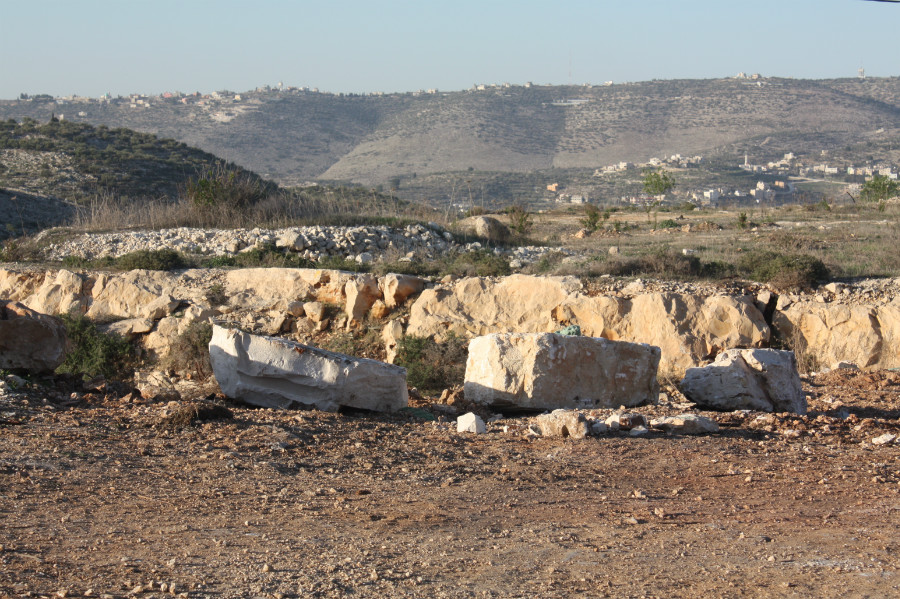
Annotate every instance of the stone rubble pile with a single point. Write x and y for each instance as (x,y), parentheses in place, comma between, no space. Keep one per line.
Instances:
(364,244)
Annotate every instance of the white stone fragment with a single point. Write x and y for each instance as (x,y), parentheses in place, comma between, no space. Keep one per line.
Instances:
(278,373)
(470,423)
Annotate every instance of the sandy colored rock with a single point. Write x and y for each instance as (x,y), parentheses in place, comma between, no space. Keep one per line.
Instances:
(61,293)
(868,336)
(264,288)
(379,310)
(361,293)
(470,423)
(130,327)
(685,424)
(478,306)
(128,295)
(391,335)
(398,288)
(548,371)
(278,373)
(748,379)
(490,228)
(563,423)
(687,328)
(29,340)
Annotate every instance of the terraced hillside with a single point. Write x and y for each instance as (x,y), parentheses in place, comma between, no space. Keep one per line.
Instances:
(293,136)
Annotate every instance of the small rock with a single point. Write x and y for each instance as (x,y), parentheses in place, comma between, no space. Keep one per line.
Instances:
(685,424)
(884,439)
(470,423)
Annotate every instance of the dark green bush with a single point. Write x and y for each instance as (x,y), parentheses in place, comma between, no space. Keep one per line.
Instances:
(480,263)
(783,271)
(430,366)
(94,352)
(165,259)
(668,224)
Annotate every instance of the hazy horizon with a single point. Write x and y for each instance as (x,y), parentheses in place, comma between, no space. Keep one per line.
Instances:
(92,47)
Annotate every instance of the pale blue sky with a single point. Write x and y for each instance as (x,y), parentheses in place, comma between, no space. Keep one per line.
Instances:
(90,47)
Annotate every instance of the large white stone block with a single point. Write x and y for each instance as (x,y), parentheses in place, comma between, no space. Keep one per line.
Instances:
(748,379)
(274,372)
(549,371)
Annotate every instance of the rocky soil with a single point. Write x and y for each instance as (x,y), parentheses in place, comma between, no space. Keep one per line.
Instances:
(105,493)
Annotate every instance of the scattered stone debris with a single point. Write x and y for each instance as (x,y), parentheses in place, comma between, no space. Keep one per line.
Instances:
(563,423)
(178,415)
(685,424)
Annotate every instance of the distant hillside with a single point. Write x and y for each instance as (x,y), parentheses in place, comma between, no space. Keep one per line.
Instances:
(76,161)
(293,136)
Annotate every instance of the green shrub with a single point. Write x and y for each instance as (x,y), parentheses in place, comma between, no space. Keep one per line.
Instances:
(431,366)
(189,352)
(519,220)
(165,259)
(783,271)
(480,263)
(592,216)
(668,224)
(94,352)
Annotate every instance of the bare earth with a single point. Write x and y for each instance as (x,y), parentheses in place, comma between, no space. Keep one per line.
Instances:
(107,496)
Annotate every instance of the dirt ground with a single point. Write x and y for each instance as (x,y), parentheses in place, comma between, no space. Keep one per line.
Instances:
(110,495)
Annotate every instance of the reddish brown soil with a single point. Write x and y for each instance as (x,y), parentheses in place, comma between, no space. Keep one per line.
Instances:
(109,496)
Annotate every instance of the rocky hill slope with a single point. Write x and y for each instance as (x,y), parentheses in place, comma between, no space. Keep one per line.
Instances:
(296,135)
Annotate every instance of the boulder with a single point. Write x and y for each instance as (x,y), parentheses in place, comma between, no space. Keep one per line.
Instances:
(548,371)
(748,379)
(315,311)
(361,292)
(130,328)
(868,336)
(398,288)
(30,340)
(563,423)
(278,373)
(491,229)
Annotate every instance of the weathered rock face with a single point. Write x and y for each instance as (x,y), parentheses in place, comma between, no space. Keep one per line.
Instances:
(274,372)
(687,328)
(548,371)
(30,340)
(748,379)
(398,288)
(269,288)
(362,292)
(868,336)
(62,294)
(127,295)
(477,306)
(491,229)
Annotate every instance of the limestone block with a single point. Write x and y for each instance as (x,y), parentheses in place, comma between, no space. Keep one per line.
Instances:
(491,229)
(361,292)
(315,311)
(563,423)
(398,288)
(548,371)
(278,373)
(748,379)
(30,340)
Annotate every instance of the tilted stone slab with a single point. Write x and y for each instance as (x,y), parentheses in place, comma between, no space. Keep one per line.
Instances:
(278,373)
(30,340)
(549,371)
(748,379)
